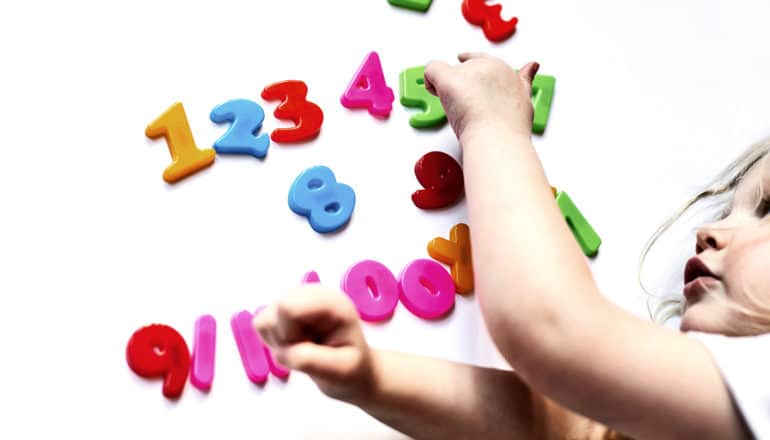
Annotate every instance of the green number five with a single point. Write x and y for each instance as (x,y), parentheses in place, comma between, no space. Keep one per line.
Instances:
(414,94)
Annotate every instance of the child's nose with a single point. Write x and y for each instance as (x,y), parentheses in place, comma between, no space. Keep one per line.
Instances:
(710,238)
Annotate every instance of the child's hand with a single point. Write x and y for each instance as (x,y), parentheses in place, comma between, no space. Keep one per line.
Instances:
(483,91)
(316,330)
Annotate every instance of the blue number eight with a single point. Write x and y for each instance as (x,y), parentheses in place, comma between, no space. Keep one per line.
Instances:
(317,195)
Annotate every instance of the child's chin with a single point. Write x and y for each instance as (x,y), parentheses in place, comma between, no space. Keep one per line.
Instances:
(690,319)
(695,319)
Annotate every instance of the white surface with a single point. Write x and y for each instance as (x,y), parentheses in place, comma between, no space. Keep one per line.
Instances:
(745,374)
(652,98)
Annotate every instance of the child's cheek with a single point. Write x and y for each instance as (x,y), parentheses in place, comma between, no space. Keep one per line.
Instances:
(745,263)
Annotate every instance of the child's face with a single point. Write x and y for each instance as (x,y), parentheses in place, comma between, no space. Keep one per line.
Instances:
(736,250)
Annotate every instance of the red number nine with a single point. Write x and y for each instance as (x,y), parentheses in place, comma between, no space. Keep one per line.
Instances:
(160,351)
(307,116)
(442,178)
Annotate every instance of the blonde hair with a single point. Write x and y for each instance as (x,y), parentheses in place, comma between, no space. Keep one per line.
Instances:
(724,184)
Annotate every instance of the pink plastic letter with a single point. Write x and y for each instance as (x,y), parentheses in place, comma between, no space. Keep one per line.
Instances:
(311,277)
(368,89)
(251,348)
(427,289)
(204,349)
(373,289)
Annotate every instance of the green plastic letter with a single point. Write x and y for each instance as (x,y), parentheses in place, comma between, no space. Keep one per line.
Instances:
(414,94)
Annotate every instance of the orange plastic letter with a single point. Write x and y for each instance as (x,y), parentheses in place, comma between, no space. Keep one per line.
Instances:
(186,158)
(456,252)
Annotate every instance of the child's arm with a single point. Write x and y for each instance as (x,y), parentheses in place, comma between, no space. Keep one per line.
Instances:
(317,331)
(429,398)
(539,300)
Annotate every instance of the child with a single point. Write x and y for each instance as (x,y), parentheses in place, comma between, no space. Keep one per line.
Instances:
(584,368)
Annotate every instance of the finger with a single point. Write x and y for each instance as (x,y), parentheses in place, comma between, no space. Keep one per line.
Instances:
(311,313)
(312,302)
(465,56)
(264,322)
(527,75)
(528,72)
(436,73)
(319,360)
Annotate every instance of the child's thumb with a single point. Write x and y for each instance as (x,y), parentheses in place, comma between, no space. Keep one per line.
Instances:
(528,72)
(435,74)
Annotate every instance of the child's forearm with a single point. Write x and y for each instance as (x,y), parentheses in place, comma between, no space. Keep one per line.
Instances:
(541,306)
(429,398)
(530,274)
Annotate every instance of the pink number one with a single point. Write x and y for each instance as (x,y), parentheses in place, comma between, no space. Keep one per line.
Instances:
(250,347)
(255,356)
(204,350)
(368,89)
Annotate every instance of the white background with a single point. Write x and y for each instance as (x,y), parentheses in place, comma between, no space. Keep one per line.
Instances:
(652,98)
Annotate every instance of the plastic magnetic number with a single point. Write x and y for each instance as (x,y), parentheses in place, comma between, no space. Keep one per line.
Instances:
(417,5)
(310,278)
(585,235)
(241,138)
(160,351)
(317,195)
(372,288)
(489,17)
(276,368)
(427,289)
(250,347)
(306,115)
(456,252)
(414,94)
(442,178)
(542,96)
(203,355)
(368,89)
(186,158)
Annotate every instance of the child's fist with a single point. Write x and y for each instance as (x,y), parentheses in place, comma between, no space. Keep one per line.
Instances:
(483,90)
(316,330)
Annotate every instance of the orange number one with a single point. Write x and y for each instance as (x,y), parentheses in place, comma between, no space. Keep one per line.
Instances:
(186,158)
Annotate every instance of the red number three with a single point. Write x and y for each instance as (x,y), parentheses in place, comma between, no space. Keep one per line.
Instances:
(307,116)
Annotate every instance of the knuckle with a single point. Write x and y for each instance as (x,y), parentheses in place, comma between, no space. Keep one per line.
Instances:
(300,358)
(286,310)
(281,357)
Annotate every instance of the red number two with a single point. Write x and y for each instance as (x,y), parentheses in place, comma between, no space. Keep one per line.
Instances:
(442,178)
(160,351)
(307,116)
(496,29)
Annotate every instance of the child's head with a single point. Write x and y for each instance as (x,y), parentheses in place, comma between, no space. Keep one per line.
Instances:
(735,249)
